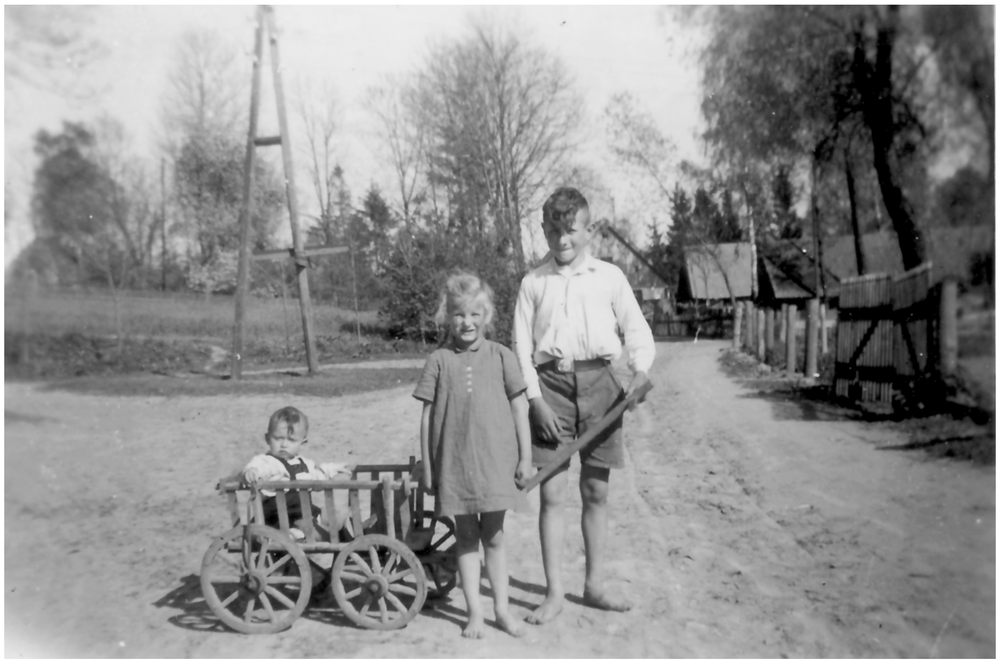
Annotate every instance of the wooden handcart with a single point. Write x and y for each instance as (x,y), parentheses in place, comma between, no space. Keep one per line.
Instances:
(258,579)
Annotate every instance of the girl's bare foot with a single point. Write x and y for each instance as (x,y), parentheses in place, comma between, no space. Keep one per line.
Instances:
(508,624)
(549,609)
(597,599)
(475,628)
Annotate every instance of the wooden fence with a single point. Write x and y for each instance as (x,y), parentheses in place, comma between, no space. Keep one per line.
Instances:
(886,335)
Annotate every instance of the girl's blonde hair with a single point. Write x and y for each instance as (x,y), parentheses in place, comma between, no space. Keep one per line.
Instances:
(461,288)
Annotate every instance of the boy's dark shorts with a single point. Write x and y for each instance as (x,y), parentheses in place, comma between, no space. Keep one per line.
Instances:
(579,399)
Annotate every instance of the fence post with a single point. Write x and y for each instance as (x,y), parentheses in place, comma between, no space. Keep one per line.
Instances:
(948,327)
(812,328)
(748,325)
(768,331)
(761,353)
(790,312)
(737,319)
(824,347)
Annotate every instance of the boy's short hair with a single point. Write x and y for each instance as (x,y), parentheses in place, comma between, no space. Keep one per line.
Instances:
(561,207)
(292,417)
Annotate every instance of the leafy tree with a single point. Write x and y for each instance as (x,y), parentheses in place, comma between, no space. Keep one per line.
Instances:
(962,41)
(960,200)
(86,211)
(802,84)
(48,46)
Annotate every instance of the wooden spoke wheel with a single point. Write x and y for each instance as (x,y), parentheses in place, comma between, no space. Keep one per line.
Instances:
(256,579)
(378,582)
(438,557)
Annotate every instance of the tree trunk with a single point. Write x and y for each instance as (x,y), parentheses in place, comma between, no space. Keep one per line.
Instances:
(875,86)
(859,253)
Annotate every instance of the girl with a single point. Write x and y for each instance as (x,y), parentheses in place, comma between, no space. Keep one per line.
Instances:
(475,440)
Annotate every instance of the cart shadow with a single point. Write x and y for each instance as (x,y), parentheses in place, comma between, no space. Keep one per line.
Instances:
(195,613)
(197,616)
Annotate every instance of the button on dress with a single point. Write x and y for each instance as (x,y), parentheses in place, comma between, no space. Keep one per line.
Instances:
(473,442)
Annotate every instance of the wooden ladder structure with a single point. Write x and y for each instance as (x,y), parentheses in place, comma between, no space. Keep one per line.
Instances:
(300,256)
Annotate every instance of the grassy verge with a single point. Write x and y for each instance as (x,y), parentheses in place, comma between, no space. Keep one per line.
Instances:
(967,434)
(331,383)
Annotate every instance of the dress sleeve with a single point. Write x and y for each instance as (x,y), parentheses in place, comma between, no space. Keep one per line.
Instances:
(427,385)
(513,381)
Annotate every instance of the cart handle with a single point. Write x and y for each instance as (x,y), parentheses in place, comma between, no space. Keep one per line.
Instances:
(575,446)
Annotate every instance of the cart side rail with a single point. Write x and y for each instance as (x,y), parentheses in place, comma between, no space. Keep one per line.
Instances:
(391,502)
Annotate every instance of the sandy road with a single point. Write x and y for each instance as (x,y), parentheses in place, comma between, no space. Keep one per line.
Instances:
(742,526)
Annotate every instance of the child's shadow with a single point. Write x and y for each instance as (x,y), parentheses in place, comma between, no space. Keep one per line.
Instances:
(443,610)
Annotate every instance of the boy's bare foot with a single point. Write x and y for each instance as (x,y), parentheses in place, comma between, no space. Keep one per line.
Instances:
(475,628)
(509,625)
(549,609)
(598,599)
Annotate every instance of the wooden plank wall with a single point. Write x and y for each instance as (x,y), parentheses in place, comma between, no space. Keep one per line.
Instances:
(895,319)
(865,373)
(915,314)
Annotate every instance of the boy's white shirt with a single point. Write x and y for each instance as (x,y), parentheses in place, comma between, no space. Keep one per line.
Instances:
(270,469)
(570,314)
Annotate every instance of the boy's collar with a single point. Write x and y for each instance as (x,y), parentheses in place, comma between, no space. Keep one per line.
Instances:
(586,265)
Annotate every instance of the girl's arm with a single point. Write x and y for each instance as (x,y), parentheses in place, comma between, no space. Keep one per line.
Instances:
(519,411)
(426,478)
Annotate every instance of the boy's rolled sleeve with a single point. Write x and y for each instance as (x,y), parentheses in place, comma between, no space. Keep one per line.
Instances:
(639,342)
(524,343)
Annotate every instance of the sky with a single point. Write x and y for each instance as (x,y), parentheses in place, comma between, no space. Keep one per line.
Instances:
(606,50)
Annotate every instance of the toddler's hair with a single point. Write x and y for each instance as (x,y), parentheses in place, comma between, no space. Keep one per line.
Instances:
(292,417)
(463,287)
(560,208)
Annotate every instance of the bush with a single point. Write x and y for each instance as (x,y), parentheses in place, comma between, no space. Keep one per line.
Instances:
(416,269)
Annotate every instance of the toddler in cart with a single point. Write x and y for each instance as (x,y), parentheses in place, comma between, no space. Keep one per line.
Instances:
(287,432)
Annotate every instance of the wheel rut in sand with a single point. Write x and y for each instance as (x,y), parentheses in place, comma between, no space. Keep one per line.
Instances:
(758,560)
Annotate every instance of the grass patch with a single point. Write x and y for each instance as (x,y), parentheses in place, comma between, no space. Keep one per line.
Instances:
(330,383)
(172,315)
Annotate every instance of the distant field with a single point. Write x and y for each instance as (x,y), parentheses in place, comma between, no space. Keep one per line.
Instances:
(169,316)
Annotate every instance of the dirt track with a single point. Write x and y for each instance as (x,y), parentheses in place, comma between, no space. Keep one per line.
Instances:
(743,526)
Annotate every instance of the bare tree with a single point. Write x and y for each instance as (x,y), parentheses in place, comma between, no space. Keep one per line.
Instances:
(317,108)
(500,116)
(394,105)
(207,88)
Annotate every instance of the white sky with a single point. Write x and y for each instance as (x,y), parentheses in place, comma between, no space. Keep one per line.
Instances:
(606,49)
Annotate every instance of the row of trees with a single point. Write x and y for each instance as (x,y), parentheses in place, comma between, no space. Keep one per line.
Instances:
(819,119)
(475,134)
(844,96)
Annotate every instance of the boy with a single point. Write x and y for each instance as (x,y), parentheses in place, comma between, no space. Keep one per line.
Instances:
(565,339)
(287,432)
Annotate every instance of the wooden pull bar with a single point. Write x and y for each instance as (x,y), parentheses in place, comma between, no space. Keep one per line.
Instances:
(572,448)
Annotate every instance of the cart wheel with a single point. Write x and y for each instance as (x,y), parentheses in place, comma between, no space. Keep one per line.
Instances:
(438,557)
(378,582)
(256,579)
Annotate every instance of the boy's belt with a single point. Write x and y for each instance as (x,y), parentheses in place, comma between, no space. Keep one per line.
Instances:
(572,366)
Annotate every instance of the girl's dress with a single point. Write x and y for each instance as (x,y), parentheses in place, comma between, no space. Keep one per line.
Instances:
(473,442)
